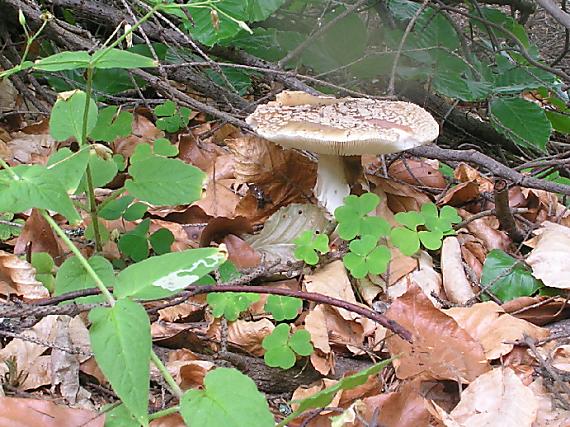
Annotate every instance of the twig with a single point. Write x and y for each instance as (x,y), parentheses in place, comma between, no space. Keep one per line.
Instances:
(503,211)
(553,10)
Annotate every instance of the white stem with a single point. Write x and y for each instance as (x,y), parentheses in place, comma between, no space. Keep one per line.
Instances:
(331,187)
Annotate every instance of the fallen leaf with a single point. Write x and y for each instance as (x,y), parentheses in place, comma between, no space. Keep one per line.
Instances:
(417,172)
(457,286)
(19,277)
(549,258)
(40,236)
(440,348)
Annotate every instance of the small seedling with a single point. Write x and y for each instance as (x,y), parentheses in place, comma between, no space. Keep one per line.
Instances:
(366,256)
(440,221)
(307,245)
(281,346)
(353,219)
(408,238)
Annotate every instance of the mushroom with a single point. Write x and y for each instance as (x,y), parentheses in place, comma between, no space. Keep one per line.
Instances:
(333,128)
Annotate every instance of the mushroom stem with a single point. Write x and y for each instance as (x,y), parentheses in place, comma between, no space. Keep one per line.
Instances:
(332,186)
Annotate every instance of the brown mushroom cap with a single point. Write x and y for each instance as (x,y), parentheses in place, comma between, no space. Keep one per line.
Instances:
(343,127)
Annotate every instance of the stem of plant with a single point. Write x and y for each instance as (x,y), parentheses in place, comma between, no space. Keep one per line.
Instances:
(163,413)
(108,296)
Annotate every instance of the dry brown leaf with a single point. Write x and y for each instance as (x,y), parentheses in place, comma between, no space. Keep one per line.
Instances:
(143,132)
(404,408)
(172,420)
(219,200)
(485,229)
(457,286)
(399,197)
(425,277)
(417,172)
(187,373)
(249,335)
(19,277)
(465,173)
(441,349)
(40,236)
(495,398)
(32,145)
(182,312)
(537,310)
(473,253)
(549,258)
(549,413)
(460,194)
(488,323)
(17,412)
(240,253)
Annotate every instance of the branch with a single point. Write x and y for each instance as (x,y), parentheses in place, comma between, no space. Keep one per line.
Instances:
(562,17)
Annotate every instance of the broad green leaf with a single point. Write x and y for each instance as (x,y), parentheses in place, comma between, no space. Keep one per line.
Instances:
(560,121)
(258,10)
(42,262)
(164,275)
(68,167)
(168,108)
(161,241)
(134,246)
(300,343)
(524,122)
(67,116)
(119,416)
(121,341)
(353,217)
(35,188)
(324,397)
(431,240)
(283,308)
(229,399)
(102,171)
(280,346)
(511,278)
(115,208)
(410,219)
(135,211)
(63,61)
(406,240)
(230,304)
(116,58)
(112,125)
(161,181)
(72,276)
(163,147)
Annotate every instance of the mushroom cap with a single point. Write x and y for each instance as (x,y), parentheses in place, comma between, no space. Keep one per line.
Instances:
(343,127)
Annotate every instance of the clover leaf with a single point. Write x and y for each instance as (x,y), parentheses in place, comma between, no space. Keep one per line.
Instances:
(281,346)
(171,118)
(307,245)
(366,256)
(9,226)
(353,219)
(283,308)
(230,304)
(440,221)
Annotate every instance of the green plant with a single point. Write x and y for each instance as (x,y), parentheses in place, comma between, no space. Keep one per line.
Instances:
(136,243)
(354,220)
(10,227)
(366,257)
(308,244)
(170,117)
(283,308)
(281,346)
(45,269)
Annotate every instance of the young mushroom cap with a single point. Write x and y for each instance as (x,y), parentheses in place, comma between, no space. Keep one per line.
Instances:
(343,127)
(334,127)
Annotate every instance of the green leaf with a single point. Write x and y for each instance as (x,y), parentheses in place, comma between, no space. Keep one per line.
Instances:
(168,108)
(72,276)
(283,308)
(161,181)
(102,171)
(280,346)
(135,211)
(366,256)
(68,167)
(238,405)
(324,397)
(164,275)
(230,304)
(67,119)
(307,245)
(163,147)
(161,241)
(112,125)
(134,246)
(560,121)
(42,262)
(115,208)
(406,240)
(524,122)
(121,341)
(431,240)
(300,343)
(511,278)
(353,217)
(410,219)
(259,10)
(35,188)
(8,230)
(63,61)
(116,58)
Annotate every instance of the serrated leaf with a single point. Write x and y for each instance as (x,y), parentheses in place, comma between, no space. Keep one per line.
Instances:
(72,276)
(67,117)
(523,122)
(230,304)
(283,308)
(511,279)
(240,405)
(121,342)
(164,275)
(162,181)
(34,189)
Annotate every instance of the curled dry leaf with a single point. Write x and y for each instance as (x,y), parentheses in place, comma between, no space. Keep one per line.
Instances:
(465,173)
(457,286)
(460,194)
(399,197)
(249,335)
(38,233)
(32,145)
(473,253)
(495,398)
(32,412)
(485,229)
(488,323)
(537,310)
(19,277)
(441,349)
(417,172)
(219,199)
(549,258)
